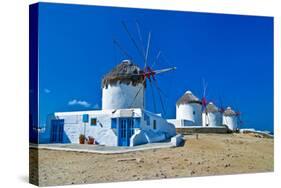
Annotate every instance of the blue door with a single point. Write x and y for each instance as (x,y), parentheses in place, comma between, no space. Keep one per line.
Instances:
(125,131)
(57,130)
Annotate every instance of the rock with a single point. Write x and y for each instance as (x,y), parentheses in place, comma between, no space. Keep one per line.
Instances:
(226,165)
(192,172)
(129,159)
(177,140)
(166,158)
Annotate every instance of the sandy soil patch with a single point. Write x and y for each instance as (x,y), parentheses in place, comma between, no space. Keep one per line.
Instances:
(211,154)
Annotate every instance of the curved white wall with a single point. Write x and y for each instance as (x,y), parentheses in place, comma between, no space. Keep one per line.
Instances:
(230,122)
(191,112)
(121,96)
(213,119)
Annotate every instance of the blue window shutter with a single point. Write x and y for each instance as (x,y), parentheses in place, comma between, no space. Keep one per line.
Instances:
(113,123)
(85,118)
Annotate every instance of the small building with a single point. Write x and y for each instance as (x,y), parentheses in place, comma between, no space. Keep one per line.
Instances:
(122,127)
(230,119)
(211,116)
(188,111)
(122,121)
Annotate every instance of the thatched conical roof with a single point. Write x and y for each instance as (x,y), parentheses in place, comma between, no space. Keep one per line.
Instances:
(188,98)
(212,108)
(126,72)
(229,112)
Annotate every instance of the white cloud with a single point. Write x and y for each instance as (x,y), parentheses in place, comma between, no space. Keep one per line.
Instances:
(79,102)
(96,106)
(47,90)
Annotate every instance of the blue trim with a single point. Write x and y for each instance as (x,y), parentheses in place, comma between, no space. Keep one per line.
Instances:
(125,131)
(113,123)
(85,118)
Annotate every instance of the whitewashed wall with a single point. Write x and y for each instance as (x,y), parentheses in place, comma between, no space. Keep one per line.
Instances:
(230,122)
(176,122)
(121,96)
(74,126)
(162,125)
(213,119)
(185,112)
(105,134)
(147,133)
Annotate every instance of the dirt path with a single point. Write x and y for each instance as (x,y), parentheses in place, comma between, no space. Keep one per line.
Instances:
(211,154)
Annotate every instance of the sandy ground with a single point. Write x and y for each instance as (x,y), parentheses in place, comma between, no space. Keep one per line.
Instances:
(211,154)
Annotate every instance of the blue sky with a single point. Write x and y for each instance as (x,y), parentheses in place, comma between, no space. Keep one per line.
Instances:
(232,53)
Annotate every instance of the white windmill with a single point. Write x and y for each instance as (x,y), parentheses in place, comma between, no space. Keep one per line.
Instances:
(124,86)
(188,108)
(230,119)
(211,116)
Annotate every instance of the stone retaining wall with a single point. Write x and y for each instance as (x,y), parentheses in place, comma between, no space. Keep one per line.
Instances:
(192,130)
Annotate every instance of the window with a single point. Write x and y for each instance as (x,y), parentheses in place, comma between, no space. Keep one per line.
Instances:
(85,118)
(93,121)
(154,124)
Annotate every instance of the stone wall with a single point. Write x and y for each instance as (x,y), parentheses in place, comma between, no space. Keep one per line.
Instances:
(192,130)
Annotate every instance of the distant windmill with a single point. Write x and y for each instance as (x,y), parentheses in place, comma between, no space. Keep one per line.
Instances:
(224,110)
(238,115)
(211,114)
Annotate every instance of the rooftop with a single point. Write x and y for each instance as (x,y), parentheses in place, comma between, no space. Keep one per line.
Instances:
(126,73)
(188,98)
(212,108)
(229,112)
